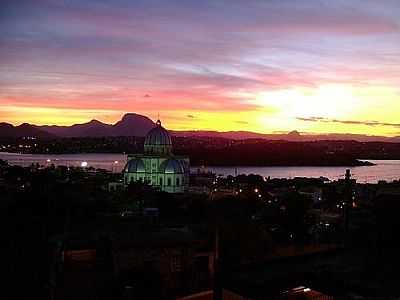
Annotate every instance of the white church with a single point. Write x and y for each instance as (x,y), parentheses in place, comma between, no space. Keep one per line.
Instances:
(158,166)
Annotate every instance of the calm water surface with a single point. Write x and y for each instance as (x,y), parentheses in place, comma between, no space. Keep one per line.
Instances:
(383,170)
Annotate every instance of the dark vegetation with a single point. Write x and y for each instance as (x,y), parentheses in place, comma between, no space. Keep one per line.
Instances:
(220,151)
(40,205)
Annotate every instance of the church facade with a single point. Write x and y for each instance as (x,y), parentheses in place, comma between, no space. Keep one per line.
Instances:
(158,166)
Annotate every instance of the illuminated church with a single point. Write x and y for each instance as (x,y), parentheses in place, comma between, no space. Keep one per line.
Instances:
(158,166)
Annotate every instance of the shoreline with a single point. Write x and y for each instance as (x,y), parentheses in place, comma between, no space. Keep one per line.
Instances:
(354,163)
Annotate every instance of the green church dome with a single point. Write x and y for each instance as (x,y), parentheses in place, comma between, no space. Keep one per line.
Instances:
(158,140)
(135,165)
(171,166)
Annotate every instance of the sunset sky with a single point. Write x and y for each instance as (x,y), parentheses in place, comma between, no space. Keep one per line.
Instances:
(264,66)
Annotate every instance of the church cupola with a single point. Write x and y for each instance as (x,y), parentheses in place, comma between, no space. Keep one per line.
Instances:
(158,141)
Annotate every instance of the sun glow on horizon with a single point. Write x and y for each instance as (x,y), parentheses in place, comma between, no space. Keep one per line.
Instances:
(327,101)
(54,116)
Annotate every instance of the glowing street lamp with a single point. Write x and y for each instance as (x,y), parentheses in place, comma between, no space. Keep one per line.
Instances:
(116,162)
(84,164)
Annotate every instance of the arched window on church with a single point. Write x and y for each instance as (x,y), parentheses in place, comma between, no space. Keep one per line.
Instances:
(160,180)
(169,181)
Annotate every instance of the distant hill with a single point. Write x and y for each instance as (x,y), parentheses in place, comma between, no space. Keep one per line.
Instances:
(293,136)
(239,135)
(23,130)
(130,125)
(93,128)
(133,124)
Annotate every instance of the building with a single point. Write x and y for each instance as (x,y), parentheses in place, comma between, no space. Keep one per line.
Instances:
(209,295)
(162,264)
(303,293)
(157,166)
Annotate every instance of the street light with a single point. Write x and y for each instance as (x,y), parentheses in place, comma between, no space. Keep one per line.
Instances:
(113,166)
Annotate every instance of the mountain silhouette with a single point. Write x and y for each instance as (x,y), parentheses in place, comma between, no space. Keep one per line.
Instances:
(133,124)
(93,128)
(130,125)
(23,130)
